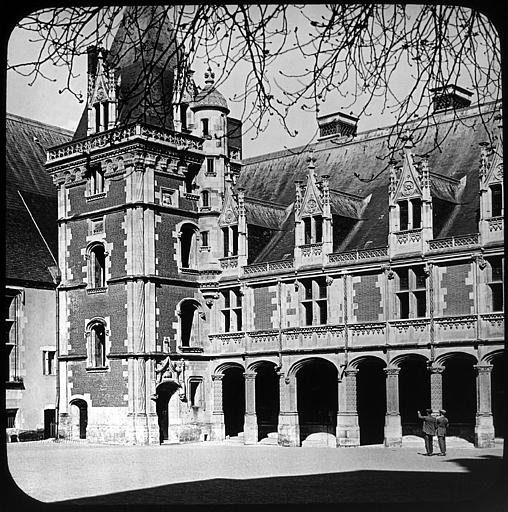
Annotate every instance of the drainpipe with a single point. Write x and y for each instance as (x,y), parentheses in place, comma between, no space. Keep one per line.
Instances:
(279,291)
(57,278)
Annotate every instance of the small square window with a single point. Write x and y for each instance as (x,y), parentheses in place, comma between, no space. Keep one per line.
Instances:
(167,197)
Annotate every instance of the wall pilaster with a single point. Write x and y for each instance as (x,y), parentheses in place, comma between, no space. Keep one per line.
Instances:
(484,426)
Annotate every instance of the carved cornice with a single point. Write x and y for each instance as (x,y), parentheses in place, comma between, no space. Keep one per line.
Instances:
(367,328)
(456,322)
(404,325)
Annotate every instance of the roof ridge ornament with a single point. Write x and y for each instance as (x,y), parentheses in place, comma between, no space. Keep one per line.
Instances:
(209,77)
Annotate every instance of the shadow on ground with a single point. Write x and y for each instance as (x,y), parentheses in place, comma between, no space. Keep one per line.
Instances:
(481,487)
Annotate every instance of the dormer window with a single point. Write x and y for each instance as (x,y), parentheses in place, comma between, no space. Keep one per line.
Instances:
(496,195)
(313,229)
(410,214)
(95,181)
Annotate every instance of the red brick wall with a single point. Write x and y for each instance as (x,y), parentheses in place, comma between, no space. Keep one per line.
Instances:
(456,291)
(367,299)
(263,308)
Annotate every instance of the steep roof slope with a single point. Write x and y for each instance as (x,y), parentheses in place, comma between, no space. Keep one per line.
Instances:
(272,176)
(145,52)
(29,191)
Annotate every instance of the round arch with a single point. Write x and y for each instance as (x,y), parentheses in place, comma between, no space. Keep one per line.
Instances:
(298,365)
(79,416)
(187,241)
(222,367)
(191,314)
(358,361)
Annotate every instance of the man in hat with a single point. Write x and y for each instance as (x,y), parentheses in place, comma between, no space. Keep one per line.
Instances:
(441,424)
(429,430)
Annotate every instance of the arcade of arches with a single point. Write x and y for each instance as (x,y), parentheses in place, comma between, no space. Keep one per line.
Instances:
(368,402)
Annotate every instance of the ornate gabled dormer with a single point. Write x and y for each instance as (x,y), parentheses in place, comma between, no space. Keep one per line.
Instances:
(491,191)
(233,227)
(410,203)
(102,92)
(313,219)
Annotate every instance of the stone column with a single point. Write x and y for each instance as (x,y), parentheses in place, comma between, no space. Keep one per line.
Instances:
(436,387)
(250,428)
(289,428)
(218,428)
(393,426)
(484,427)
(348,430)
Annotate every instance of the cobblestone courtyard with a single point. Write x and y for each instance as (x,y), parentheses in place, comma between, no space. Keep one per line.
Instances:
(210,473)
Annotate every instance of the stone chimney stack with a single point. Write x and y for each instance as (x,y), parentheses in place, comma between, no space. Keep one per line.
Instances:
(450,97)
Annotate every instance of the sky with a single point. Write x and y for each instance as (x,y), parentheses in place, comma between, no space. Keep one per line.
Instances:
(42,101)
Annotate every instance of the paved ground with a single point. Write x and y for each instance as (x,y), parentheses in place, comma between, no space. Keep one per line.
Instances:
(213,473)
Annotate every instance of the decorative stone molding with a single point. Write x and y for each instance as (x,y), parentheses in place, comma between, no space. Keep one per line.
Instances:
(367,328)
(469,241)
(494,319)
(457,322)
(268,266)
(312,250)
(229,262)
(404,325)
(387,269)
(410,236)
(496,223)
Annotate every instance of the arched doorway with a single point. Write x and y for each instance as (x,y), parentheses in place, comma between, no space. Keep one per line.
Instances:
(371,400)
(459,395)
(79,415)
(163,392)
(499,394)
(267,399)
(233,400)
(316,391)
(414,392)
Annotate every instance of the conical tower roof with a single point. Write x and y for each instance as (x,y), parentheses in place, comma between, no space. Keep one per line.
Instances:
(144,54)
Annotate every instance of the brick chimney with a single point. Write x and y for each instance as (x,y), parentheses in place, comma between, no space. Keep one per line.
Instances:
(337,125)
(450,97)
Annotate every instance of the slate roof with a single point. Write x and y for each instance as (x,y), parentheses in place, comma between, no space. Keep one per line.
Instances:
(26,255)
(272,177)
(145,54)
(264,213)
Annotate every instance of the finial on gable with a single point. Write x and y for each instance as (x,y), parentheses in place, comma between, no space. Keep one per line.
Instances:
(407,139)
(311,162)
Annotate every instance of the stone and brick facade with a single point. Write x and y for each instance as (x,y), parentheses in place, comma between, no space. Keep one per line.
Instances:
(228,296)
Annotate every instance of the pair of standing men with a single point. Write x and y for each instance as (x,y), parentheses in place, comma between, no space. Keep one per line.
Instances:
(434,425)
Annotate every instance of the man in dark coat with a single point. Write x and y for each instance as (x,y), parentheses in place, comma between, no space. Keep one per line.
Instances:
(429,430)
(441,424)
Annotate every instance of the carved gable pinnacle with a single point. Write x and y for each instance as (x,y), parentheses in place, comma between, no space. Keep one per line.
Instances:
(312,201)
(229,213)
(409,182)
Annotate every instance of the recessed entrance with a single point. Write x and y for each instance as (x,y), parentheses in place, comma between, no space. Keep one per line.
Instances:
(414,393)
(233,400)
(499,395)
(459,395)
(316,383)
(371,400)
(163,392)
(79,413)
(267,399)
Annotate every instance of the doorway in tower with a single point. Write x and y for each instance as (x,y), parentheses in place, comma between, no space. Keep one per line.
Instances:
(163,392)
(499,394)
(371,400)
(414,393)
(49,423)
(233,400)
(459,395)
(79,415)
(316,392)
(267,399)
